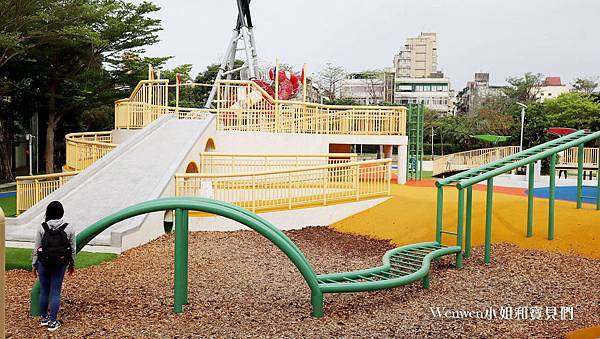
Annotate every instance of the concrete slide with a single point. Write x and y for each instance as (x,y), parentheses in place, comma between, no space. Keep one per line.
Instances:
(140,169)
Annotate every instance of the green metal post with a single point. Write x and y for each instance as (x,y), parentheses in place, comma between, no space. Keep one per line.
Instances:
(459,227)
(488,220)
(179,289)
(552,190)
(598,183)
(185,250)
(438,214)
(421,131)
(316,299)
(417,148)
(468,221)
(579,176)
(409,121)
(426,281)
(530,188)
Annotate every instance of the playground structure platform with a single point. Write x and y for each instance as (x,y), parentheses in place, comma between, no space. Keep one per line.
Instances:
(158,151)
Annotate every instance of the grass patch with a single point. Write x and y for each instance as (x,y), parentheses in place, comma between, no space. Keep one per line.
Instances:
(9,206)
(20,258)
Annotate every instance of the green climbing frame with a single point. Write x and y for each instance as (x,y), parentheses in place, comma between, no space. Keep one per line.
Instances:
(414,160)
(466,180)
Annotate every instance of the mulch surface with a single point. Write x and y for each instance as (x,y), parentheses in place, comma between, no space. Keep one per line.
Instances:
(241,286)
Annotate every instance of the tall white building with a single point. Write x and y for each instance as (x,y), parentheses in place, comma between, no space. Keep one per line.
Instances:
(418,57)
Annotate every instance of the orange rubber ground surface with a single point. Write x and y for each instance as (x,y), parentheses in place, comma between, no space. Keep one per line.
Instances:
(409,217)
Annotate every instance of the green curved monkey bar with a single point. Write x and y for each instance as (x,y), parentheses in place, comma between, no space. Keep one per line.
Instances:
(402,265)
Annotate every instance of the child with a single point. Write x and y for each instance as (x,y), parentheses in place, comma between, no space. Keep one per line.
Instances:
(53,253)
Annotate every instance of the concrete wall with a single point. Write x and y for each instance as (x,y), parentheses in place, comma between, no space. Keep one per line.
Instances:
(264,142)
(290,219)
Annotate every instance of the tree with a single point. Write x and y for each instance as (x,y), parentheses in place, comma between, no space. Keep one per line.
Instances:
(73,60)
(329,80)
(524,89)
(574,110)
(585,85)
(200,94)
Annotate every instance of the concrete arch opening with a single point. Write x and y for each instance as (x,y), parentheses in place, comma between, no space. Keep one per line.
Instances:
(210,145)
(192,167)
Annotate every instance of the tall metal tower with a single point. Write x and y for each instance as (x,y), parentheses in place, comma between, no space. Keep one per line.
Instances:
(241,40)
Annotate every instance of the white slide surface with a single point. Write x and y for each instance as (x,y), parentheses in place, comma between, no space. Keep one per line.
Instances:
(140,169)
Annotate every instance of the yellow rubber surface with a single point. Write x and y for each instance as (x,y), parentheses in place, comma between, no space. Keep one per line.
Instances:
(409,217)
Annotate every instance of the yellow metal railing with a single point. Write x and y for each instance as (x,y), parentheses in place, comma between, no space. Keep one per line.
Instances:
(83,149)
(245,106)
(568,159)
(33,188)
(212,162)
(148,101)
(286,189)
(469,159)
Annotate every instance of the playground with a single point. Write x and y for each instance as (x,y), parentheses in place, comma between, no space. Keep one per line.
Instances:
(240,285)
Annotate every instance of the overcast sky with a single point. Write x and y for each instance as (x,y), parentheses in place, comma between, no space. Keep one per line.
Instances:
(505,38)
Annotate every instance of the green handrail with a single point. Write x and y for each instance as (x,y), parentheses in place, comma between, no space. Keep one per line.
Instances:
(214,207)
(491,165)
(530,159)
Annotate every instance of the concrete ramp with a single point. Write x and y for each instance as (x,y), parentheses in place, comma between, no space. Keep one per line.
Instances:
(140,169)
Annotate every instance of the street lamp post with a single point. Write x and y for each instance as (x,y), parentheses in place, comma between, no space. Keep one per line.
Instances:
(523,107)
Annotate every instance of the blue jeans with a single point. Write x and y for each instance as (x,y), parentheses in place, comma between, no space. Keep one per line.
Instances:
(51,279)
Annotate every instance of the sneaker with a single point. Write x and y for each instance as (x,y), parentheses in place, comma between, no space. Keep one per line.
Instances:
(53,326)
(45,321)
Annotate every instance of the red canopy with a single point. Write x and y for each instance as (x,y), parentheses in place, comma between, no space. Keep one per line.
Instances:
(561,130)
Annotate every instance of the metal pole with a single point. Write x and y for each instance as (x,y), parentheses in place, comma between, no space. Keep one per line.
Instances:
(438,214)
(579,176)
(179,276)
(185,250)
(177,93)
(230,49)
(468,221)
(530,188)
(304,84)
(421,149)
(410,112)
(551,197)
(522,124)
(488,219)
(29,137)
(459,227)
(432,143)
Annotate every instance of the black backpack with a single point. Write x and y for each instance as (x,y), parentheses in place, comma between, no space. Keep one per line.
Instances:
(56,248)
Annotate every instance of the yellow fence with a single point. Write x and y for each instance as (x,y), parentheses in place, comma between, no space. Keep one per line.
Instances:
(469,159)
(148,101)
(245,106)
(212,162)
(31,189)
(568,159)
(319,185)
(83,149)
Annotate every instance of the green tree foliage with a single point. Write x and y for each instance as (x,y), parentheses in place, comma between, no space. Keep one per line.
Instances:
(585,85)
(68,57)
(525,88)
(200,93)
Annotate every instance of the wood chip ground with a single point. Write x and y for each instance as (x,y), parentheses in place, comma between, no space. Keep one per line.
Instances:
(242,286)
